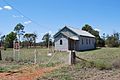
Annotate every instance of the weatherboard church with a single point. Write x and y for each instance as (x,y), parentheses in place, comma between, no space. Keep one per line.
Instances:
(69,38)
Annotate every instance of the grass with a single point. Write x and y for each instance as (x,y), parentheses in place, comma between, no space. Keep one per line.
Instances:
(26,58)
(102,59)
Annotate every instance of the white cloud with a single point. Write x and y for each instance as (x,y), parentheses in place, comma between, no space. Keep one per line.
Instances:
(7,7)
(97,29)
(27,22)
(1,8)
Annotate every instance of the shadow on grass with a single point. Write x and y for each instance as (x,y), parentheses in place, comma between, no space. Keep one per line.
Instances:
(90,49)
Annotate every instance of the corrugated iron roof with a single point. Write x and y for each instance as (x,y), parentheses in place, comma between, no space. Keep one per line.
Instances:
(81,32)
(71,37)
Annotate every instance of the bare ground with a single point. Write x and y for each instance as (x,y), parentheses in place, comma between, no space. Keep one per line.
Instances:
(26,73)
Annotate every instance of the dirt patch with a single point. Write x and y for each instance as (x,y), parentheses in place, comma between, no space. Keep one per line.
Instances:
(26,73)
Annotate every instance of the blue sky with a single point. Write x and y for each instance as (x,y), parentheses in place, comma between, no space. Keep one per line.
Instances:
(52,15)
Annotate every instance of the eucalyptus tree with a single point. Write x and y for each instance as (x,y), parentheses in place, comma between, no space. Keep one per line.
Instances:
(10,38)
(46,39)
(99,41)
(34,36)
(19,30)
(30,38)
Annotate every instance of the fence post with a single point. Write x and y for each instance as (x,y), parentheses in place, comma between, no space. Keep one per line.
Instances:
(35,56)
(72,57)
(0,55)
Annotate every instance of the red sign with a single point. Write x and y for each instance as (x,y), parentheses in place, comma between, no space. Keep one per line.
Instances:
(16,45)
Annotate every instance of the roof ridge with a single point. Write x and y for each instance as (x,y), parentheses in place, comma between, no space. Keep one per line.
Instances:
(81,32)
(74,27)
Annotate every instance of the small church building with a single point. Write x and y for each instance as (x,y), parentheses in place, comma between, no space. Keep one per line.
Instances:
(69,38)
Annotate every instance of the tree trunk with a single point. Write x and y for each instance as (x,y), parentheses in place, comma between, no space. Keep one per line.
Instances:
(0,55)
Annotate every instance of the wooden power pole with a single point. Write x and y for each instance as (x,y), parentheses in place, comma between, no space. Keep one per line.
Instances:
(0,52)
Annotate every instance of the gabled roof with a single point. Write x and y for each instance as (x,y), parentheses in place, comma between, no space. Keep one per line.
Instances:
(71,37)
(76,31)
(81,32)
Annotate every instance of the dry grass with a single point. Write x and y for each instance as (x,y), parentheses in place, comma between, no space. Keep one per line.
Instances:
(104,66)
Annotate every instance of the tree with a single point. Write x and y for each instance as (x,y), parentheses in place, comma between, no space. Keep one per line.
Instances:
(9,39)
(113,40)
(27,40)
(19,30)
(34,36)
(117,35)
(87,28)
(46,39)
(3,41)
(99,41)
(30,38)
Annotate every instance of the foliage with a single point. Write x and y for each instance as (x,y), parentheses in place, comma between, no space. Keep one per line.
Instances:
(30,38)
(3,41)
(99,41)
(113,40)
(19,30)
(46,39)
(9,39)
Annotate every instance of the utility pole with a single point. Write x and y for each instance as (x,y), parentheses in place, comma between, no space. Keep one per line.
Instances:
(0,52)
(48,43)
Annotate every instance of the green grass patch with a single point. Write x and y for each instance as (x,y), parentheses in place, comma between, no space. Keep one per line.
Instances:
(3,69)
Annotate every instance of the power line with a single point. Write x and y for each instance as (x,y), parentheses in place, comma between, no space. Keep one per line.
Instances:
(23,14)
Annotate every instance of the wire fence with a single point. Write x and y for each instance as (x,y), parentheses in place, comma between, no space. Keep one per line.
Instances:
(38,56)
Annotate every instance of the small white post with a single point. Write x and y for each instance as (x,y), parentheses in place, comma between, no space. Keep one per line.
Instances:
(70,62)
(35,56)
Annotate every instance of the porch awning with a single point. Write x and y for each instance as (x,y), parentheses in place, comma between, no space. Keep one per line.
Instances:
(74,38)
(70,36)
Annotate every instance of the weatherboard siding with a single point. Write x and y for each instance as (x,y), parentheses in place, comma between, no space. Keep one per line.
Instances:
(86,44)
(87,38)
(64,46)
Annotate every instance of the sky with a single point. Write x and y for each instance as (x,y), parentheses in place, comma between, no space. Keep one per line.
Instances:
(42,16)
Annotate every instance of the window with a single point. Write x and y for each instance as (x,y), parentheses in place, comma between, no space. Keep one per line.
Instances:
(89,41)
(82,41)
(60,42)
(93,42)
(86,41)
